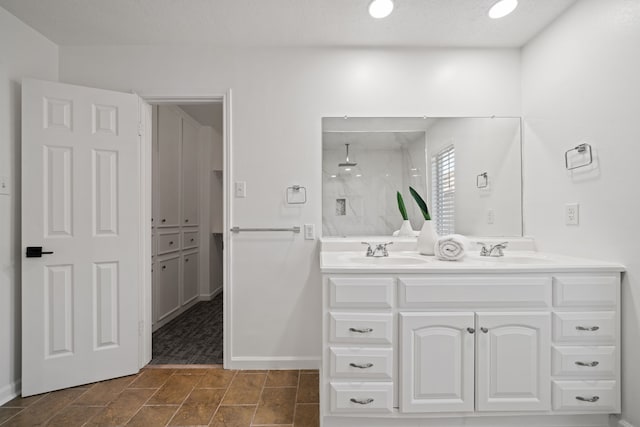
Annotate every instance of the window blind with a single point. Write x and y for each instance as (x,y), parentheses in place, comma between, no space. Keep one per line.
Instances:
(443,167)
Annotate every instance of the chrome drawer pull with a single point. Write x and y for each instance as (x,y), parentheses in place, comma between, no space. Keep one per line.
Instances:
(589,364)
(588,399)
(587,328)
(361,401)
(361,366)
(361,331)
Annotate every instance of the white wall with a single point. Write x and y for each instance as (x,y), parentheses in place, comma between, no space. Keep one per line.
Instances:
(23,53)
(279,97)
(580,83)
(483,145)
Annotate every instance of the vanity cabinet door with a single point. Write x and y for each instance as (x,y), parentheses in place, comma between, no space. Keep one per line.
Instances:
(513,351)
(437,355)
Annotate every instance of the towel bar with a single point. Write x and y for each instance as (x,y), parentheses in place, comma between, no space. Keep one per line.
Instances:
(237,229)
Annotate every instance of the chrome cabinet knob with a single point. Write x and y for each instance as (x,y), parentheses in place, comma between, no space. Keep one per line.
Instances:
(484,330)
(471,330)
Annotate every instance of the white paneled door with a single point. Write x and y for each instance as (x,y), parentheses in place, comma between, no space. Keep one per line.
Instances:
(81,203)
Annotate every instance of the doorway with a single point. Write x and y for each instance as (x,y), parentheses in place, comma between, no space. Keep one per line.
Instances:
(186,302)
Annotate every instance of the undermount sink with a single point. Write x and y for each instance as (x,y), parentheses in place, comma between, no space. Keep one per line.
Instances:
(390,260)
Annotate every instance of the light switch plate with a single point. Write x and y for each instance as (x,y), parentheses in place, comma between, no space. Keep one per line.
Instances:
(309,232)
(572,214)
(241,189)
(4,185)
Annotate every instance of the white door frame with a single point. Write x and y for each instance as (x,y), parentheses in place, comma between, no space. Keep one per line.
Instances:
(200,97)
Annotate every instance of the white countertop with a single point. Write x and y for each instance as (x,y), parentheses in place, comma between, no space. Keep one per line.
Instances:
(410,262)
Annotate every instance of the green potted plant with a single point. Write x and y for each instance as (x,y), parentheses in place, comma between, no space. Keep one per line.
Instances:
(405,229)
(428,235)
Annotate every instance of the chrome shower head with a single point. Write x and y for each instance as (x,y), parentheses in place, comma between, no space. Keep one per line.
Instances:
(347,163)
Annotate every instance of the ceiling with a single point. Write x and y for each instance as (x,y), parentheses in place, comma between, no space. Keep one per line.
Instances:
(414,23)
(206,114)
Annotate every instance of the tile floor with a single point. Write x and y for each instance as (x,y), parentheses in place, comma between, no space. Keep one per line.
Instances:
(171,396)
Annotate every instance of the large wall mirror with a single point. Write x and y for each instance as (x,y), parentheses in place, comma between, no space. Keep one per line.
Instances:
(468,169)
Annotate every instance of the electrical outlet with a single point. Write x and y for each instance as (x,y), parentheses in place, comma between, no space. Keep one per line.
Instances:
(572,214)
(4,185)
(309,232)
(241,189)
(491,216)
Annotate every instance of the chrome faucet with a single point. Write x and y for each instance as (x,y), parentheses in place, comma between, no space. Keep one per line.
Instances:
(493,250)
(379,251)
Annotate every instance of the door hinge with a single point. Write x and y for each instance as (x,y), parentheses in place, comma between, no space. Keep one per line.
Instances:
(140,129)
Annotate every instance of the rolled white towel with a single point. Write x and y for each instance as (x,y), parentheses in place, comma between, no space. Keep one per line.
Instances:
(451,247)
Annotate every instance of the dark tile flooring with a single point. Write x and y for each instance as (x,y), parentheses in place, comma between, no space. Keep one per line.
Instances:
(193,338)
(189,396)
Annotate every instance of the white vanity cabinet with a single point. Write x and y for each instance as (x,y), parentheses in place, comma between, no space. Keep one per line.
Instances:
(415,347)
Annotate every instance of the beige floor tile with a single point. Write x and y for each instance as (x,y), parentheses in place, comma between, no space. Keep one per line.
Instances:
(217,378)
(73,416)
(198,408)
(233,416)
(6,413)
(175,390)
(45,408)
(100,394)
(245,389)
(152,378)
(123,408)
(282,379)
(308,389)
(276,406)
(151,416)
(23,402)
(307,415)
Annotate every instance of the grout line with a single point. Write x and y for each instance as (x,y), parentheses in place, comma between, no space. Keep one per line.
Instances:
(226,390)
(266,377)
(182,403)
(295,402)
(12,416)
(143,404)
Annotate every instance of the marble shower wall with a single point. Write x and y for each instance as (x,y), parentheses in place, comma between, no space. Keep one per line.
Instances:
(362,201)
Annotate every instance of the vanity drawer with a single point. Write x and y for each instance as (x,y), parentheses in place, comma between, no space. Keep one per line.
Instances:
(586,328)
(596,396)
(365,363)
(190,239)
(348,292)
(477,292)
(361,397)
(586,362)
(168,242)
(592,290)
(361,328)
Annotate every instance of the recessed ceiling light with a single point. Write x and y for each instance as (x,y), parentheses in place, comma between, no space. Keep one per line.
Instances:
(380,8)
(502,8)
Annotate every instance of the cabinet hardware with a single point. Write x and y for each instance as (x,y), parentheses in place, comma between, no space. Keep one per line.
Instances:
(471,330)
(193,240)
(164,267)
(587,328)
(164,220)
(589,364)
(171,243)
(361,331)
(186,220)
(588,399)
(186,260)
(361,366)
(483,329)
(361,401)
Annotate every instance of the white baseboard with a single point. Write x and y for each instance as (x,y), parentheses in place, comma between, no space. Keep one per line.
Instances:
(209,297)
(274,363)
(9,392)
